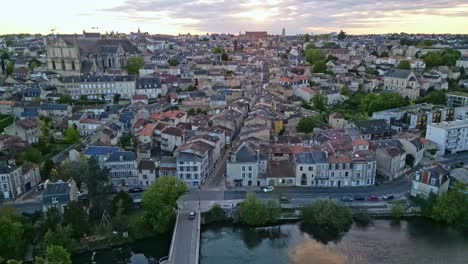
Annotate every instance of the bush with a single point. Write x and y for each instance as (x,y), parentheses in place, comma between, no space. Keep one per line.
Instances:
(398,210)
(255,213)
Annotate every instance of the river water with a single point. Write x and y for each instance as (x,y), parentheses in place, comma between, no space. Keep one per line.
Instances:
(410,241)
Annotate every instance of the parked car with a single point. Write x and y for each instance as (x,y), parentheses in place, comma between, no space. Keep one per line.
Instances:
(372,198)
(192,215)
(40,187)
(346,199)
(135,190)
(359,198)
(388,197)
(268,189)
(284,199)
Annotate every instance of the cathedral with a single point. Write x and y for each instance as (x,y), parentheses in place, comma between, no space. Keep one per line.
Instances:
(87,54)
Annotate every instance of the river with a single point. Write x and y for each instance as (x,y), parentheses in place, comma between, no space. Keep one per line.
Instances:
(410,241)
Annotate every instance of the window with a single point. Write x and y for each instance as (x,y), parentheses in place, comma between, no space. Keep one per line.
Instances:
(243,175)
(332,174)
(73,65)
(53,65)
(289,181)
(346,174)
(300,168)
(311,168)
(63,65)
(243,168)
(54,200)
(250,168)
(250,175)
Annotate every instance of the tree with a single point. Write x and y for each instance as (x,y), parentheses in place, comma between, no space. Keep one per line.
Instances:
(362,218)
(10,67)
(425,43)
(306,37)
(341,35)
(325,217)
(404,65)
(191,88)
(39,260)
(134,65)
(75,216)
(11,242)
(96,180)
(60,237)
(438,97)
(449,207)
(173,62)
(58,255)
(72,135)
(320,67)
(217,50)
(12,261)
(123,200)
(191,112)
(215,215)
(384,54)
(224,56)
(33,64)
(65,99)
(313,55)
(4,56)
(255,213)
(306,125)
(447,57)
(160,200)
(345,91)
(398,210)
(319,102)
(116,98)
(32,155)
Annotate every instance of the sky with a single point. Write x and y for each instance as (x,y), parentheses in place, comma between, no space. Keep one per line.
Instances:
(218,16)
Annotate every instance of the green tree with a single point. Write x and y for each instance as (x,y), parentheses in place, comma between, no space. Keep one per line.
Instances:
(120,221)
(65,99)
(160,200)
(134,65)
(191,112)
(10,67)
(346,91)
(447,57)
(449,207)
(398,210)
(217,50)
(72,135)
(116,98)
(328,217)
(62,236)
(341,35)
(255,213)
(319,67)
(75,216)
(215,215)
(32,155)
(11,242)
(306,125)
(12,261)
(319,102)
(123,200)
(96,180)
(173,62)
(58,255)
(39,260)
(4,56)
(384,54)
(438,97)
(404,65)
(313,55)
(362,218)
(306,37)
(425,43)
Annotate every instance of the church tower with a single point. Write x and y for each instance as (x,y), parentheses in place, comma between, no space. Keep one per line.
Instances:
(283,33)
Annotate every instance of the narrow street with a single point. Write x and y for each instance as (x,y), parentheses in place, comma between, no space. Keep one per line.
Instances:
(216,179)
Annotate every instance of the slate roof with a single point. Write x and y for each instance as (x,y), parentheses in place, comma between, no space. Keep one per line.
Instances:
(146,165)
(100,150)
(373,126)
(146,83)
(125,155)
(246,154)
(313,157)
(51,107)
(5,168)
(59,190)
(397,73)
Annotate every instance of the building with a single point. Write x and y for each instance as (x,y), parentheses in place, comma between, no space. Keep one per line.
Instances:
(59,194)
(56,110)
(26,129)
(403,82)
(123,169)
(456,99)
(374,129)
(10,185)
(451,137)
(391,158)
(312,169)
(149,86)
(416,116)
(280,173)
(147,173)
(101,153)
(192,166)
(97,87)
(429,180)
(242,167)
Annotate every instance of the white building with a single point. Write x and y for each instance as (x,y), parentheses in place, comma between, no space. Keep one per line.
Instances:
(242,167)
(430,180)
(449,136)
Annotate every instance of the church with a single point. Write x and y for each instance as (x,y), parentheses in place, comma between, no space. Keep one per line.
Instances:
(87,54)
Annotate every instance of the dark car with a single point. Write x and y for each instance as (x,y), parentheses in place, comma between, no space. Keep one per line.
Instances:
(346,199)
(192,215)
(359,198)
(284,199)
(372,198)
(388,197)
(135,190)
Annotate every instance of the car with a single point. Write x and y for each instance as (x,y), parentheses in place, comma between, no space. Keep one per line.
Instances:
(372,198)
(135,190)
(284,199)
(346,199)
(40,187)
(388,197)
(192,215)
(268,189)
(359,198)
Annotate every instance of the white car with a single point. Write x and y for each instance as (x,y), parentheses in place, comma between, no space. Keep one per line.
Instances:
(268,189)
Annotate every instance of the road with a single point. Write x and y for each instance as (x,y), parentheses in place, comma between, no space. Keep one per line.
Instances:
(186,239)
(216,179)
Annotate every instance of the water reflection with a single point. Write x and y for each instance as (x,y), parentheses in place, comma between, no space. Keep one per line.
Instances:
(310,249)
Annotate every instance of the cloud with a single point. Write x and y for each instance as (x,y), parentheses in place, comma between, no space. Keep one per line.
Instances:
(295,15)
